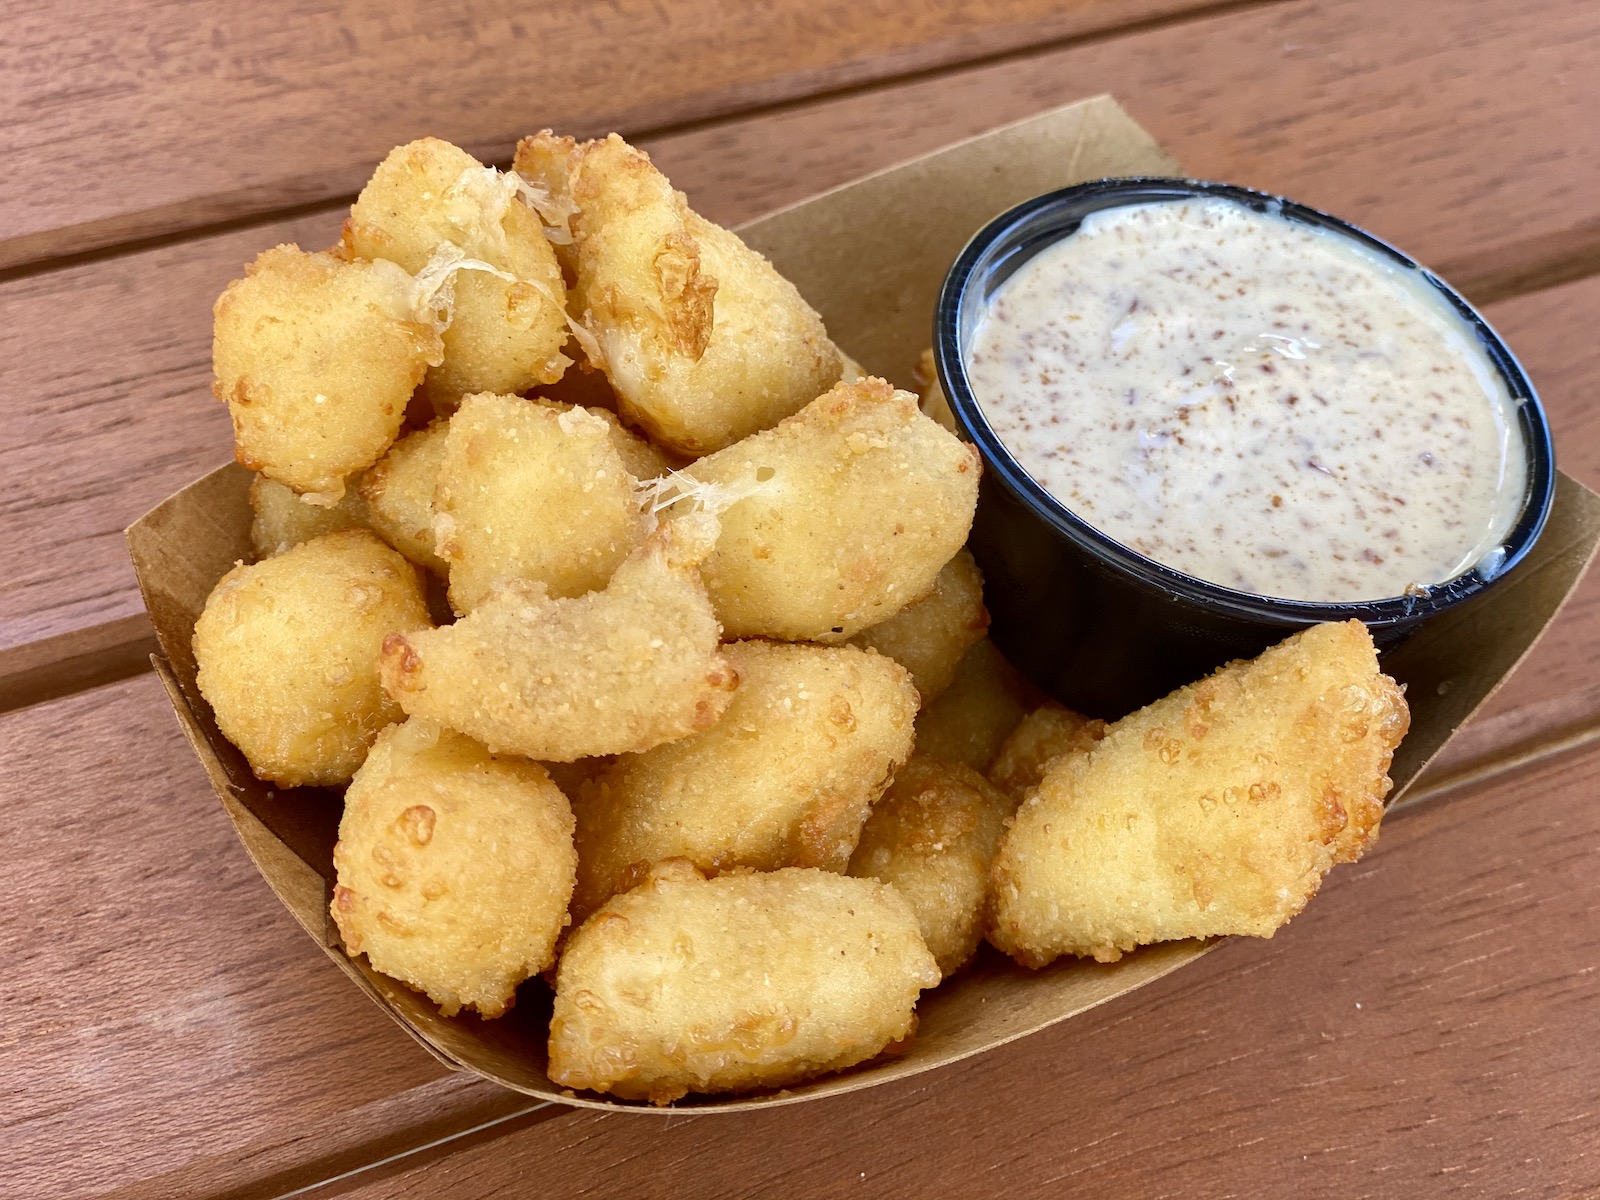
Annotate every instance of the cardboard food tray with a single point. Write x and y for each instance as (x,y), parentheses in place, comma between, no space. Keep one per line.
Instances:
(870,256)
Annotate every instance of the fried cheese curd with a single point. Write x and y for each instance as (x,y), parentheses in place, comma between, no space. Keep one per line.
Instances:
(848,511)
(702,339)
(1216,810)
(932,838)
(929,636)
(316,358)
(281,519)
(642,459)
(506,306)
(528,492)
(288,652)
(1044,735)
(453,867)
(785,778)
(619,670)
(398,493)
(983,704)
(745,981)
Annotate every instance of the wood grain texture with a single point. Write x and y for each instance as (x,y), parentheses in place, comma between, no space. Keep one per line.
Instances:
(206,111)
(166,1026)
(1412,1033)
(1461,131)
(109,361)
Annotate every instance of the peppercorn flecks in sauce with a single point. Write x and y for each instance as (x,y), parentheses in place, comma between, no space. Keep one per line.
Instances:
(1253,401)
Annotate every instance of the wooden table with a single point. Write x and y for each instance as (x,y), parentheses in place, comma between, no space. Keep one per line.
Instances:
(1431,1025)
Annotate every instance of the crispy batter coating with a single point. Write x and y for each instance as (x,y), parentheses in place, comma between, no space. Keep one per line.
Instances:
(454,867)
(1041,737)
(933,836)
(1216,810)
(784,779)
(283,520)
(930,636)
(398,491)
(619,670)
(506,330)
(316,359)
(288,654)
(744,981)
(982,705)
(702,339)
(529,492)
(641,459)
(849,510)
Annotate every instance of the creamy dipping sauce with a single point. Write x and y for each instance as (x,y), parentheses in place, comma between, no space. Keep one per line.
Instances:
(1252,401)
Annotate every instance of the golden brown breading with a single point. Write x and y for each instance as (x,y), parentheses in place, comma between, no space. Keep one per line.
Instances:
(529,492)
(454,868)
(288,654)
(507,326)
(784,779)
(744,981)
(929,636)
(1216,810)
(283,520)
(398,491)
(316,359)
(982,705)
(548,165)
(849,509)
(613,671)
(641,459)
(932,837)
(702,339)
(1041,737)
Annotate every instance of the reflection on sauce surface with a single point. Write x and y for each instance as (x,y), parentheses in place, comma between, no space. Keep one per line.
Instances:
(1252,401)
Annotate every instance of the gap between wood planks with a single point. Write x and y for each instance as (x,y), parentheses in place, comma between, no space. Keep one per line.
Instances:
(40,253)
(330,1176)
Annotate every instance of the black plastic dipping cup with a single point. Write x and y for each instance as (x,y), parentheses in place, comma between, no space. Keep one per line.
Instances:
(1099,626)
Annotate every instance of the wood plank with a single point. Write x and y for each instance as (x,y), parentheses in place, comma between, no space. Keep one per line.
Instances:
(167,1027)
(240,109)
(109,360)
(1426,1026)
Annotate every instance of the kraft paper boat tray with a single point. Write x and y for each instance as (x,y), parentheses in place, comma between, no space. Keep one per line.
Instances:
(870,257)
